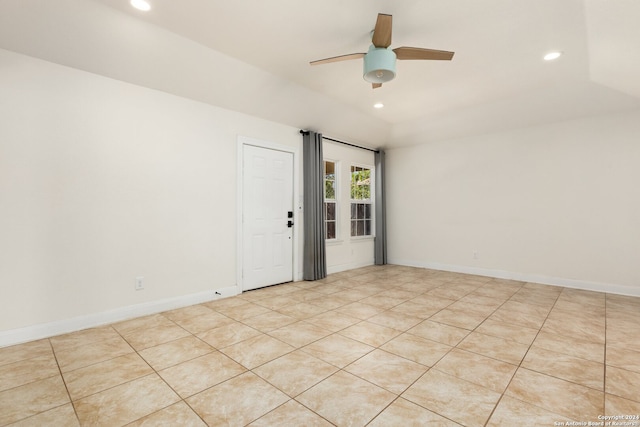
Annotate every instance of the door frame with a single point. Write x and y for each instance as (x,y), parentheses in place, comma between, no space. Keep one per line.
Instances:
(297,206)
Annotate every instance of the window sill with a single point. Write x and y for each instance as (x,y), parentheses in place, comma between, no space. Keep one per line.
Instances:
(356,239)
(333,242)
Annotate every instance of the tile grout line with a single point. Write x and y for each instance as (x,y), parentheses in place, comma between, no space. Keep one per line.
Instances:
(342,369)
(181,399)
(383,282)
(519,366)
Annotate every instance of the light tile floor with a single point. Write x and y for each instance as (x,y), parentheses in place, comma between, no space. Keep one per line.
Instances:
(379,346)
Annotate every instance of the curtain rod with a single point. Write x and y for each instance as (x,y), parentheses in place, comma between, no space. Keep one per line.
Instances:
(342,142)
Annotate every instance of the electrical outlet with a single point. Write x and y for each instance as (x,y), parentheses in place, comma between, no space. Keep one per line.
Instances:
(139,283)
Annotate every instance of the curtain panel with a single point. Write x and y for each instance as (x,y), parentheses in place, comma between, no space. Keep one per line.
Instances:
(380,242)
(314,257)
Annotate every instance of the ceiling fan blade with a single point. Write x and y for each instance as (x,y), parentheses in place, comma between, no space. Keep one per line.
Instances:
(376,85)
(338,58)
(382,32)
(420,53)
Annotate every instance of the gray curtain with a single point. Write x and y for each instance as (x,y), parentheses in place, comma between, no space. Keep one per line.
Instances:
(315,261)
(381,211)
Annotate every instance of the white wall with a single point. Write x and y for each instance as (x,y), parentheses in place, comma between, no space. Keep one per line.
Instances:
(554,204)
(98,38)
(102,181)
(346,252)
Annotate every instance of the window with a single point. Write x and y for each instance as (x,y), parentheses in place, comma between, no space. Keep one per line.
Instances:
(330,199)
(360,201)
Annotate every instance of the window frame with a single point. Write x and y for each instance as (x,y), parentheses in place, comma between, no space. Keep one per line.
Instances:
(368,202)
(336,195)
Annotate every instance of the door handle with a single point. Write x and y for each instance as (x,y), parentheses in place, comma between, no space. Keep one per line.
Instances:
(289,224)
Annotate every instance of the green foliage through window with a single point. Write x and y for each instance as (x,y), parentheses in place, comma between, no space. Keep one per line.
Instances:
(329,181)
(361,220)
(330,217)
(360,183)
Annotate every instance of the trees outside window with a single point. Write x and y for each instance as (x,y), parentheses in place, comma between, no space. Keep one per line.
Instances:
(361,218)
(330,204)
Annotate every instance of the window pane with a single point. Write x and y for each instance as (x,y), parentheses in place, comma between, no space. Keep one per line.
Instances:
(329,169)
(354,209)
(354,228)
(367,211)
(329,180)
(360,183)
(331,230)
(360,228)
(329,190)
(330,197)
(360,211)
(367,228)
(331,211)
(353,186)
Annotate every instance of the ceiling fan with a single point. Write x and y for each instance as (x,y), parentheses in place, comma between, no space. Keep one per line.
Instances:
(379,61)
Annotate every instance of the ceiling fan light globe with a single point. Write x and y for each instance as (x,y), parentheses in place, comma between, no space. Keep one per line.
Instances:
(379,65)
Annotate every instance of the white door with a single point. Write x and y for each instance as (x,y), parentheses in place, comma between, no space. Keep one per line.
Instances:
(267,228)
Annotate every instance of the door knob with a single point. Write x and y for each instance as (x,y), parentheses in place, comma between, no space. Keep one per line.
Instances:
(289,224)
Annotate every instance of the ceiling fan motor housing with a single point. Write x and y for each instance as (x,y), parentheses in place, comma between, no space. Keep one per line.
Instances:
(379,65)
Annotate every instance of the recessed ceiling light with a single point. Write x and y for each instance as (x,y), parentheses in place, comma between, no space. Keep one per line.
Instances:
(378,105)
(141,5)
(552,55)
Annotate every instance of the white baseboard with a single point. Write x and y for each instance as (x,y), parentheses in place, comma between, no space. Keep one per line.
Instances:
(532,278)
(45,330)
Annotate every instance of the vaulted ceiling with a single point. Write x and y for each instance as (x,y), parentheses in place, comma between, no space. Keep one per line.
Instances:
(253,56)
